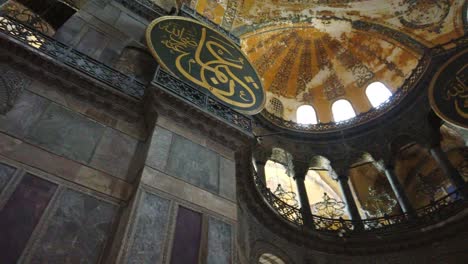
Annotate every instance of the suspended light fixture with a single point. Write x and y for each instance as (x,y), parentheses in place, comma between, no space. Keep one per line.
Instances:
(329,207)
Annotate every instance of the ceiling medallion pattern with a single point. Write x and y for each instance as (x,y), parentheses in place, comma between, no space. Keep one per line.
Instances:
(427,14)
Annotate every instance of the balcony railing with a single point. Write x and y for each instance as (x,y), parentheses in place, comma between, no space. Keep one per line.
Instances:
(432,213)
(58,52)
(61,53)
(202,100)
(144,8)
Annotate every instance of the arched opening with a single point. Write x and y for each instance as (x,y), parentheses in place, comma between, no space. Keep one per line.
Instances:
(276,107)
(45,16)
(279,177)
(268,258)
(342,110)
(323,191)
(372,192)
(377,93)
(306,115)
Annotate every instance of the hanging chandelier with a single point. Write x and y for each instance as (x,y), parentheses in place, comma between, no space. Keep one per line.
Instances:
(329,207)
(286,196)
(379,204)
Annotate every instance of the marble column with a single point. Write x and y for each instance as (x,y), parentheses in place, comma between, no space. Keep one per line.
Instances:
(439,155)
(261,156)
(300,172)
(261,170)
(348,198)
(399,191)
(451,172)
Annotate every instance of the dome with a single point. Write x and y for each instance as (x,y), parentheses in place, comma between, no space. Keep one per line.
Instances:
(317,52)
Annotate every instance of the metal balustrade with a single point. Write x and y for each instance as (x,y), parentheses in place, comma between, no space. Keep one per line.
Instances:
(144,8)
(61,53)
(433,213)
(204,101)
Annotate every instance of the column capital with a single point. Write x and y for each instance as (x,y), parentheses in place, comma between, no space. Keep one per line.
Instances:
(261,154)
(300,169)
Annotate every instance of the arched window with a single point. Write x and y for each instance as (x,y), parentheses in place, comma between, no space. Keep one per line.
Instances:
(306,115)
(342,110)
(377,93)
(276,107)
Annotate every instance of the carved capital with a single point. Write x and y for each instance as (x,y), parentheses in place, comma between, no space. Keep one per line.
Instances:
(300,169)
(261,154)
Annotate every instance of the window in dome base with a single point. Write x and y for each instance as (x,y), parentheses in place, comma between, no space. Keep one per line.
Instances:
(377,93)
(342,110)
(306,115)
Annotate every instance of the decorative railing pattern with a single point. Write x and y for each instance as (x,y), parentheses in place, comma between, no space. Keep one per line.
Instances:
(394,100)
(288,212)
(144,8)
(433,213)
(62,53)
(197,97)
(192,13)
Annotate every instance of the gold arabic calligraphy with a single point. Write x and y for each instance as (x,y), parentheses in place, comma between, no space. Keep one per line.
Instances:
(457,91)
(213,73)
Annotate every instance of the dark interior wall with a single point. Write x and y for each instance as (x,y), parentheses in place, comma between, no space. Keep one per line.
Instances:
(54,12)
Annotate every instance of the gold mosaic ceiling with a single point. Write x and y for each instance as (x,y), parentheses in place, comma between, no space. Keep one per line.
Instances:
(317,51)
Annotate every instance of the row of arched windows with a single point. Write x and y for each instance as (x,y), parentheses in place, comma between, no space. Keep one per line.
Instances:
(376,92)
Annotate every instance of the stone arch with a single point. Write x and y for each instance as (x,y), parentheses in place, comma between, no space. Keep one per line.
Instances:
(400,142)
(272,252)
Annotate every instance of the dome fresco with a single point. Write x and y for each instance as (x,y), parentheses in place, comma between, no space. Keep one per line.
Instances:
(311,66)
(314,52)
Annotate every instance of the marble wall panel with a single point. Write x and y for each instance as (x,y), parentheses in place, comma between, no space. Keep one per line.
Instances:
(6,172)
(150,230)
(67,133)
(77,231)
(186,245)
(92,43)
(21,214)
(219,242)
(193,163)
(227,178)
(69,31)
(26,111)
(114,154)
(131,26)
(159,149)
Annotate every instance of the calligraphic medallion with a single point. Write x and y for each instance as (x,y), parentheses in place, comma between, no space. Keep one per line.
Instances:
(448,92)
(207,60)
